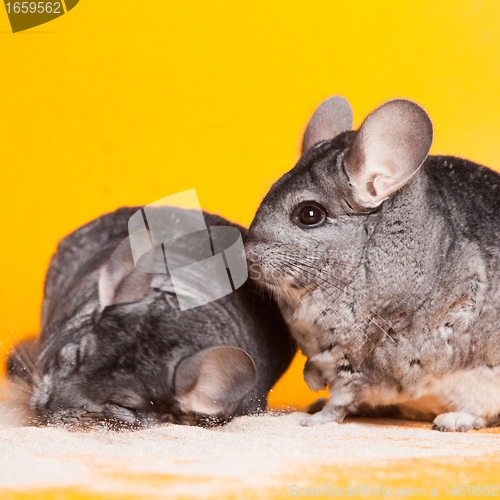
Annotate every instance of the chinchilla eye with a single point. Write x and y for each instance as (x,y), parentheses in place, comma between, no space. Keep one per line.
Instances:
(309,215)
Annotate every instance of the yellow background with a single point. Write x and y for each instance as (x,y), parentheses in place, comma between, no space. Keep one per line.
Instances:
(122,103)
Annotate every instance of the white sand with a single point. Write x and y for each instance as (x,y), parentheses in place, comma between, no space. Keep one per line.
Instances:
(248,454)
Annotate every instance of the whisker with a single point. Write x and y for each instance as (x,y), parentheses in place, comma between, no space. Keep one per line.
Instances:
(296,266)
(335,311)
(27,364)
(299,266)
(345,291)
(337,263)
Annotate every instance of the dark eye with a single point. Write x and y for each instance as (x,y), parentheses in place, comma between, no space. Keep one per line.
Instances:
(310,215)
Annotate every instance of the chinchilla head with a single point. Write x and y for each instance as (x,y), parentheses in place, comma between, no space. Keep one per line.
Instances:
(118,377)
(313,230)
(135,359)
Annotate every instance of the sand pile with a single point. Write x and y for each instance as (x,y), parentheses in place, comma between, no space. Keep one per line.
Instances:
(256,455)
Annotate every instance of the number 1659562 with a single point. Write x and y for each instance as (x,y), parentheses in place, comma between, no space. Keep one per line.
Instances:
(33,7)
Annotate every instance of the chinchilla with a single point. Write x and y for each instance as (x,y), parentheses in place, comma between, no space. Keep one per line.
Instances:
(115,348)
(386,265)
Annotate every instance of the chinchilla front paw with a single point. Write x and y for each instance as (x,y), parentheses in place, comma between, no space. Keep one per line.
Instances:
(325,416)
(460,422)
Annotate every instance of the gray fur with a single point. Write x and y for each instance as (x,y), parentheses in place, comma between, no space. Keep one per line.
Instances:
(116,350)
(394,299)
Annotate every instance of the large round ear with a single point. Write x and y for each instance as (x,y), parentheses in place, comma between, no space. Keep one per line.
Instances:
(214,380)
(332,117)
(387,150)
(120,282)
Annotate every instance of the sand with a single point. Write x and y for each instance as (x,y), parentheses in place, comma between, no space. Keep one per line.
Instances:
(252,457)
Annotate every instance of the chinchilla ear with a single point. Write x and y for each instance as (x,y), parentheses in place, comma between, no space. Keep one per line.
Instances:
(387,150)
(332,117)
(213,380)
(120,282)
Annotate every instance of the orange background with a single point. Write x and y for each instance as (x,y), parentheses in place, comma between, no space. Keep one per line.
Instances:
(123,103)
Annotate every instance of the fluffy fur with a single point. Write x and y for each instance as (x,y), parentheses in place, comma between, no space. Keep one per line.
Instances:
(115,349)
(394,298)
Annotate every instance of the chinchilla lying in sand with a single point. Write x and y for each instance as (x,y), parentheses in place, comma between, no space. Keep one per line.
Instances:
(115,348)
(386,264)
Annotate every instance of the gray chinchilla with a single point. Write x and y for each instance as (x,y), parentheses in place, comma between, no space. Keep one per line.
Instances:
(385,262)
(115,348)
